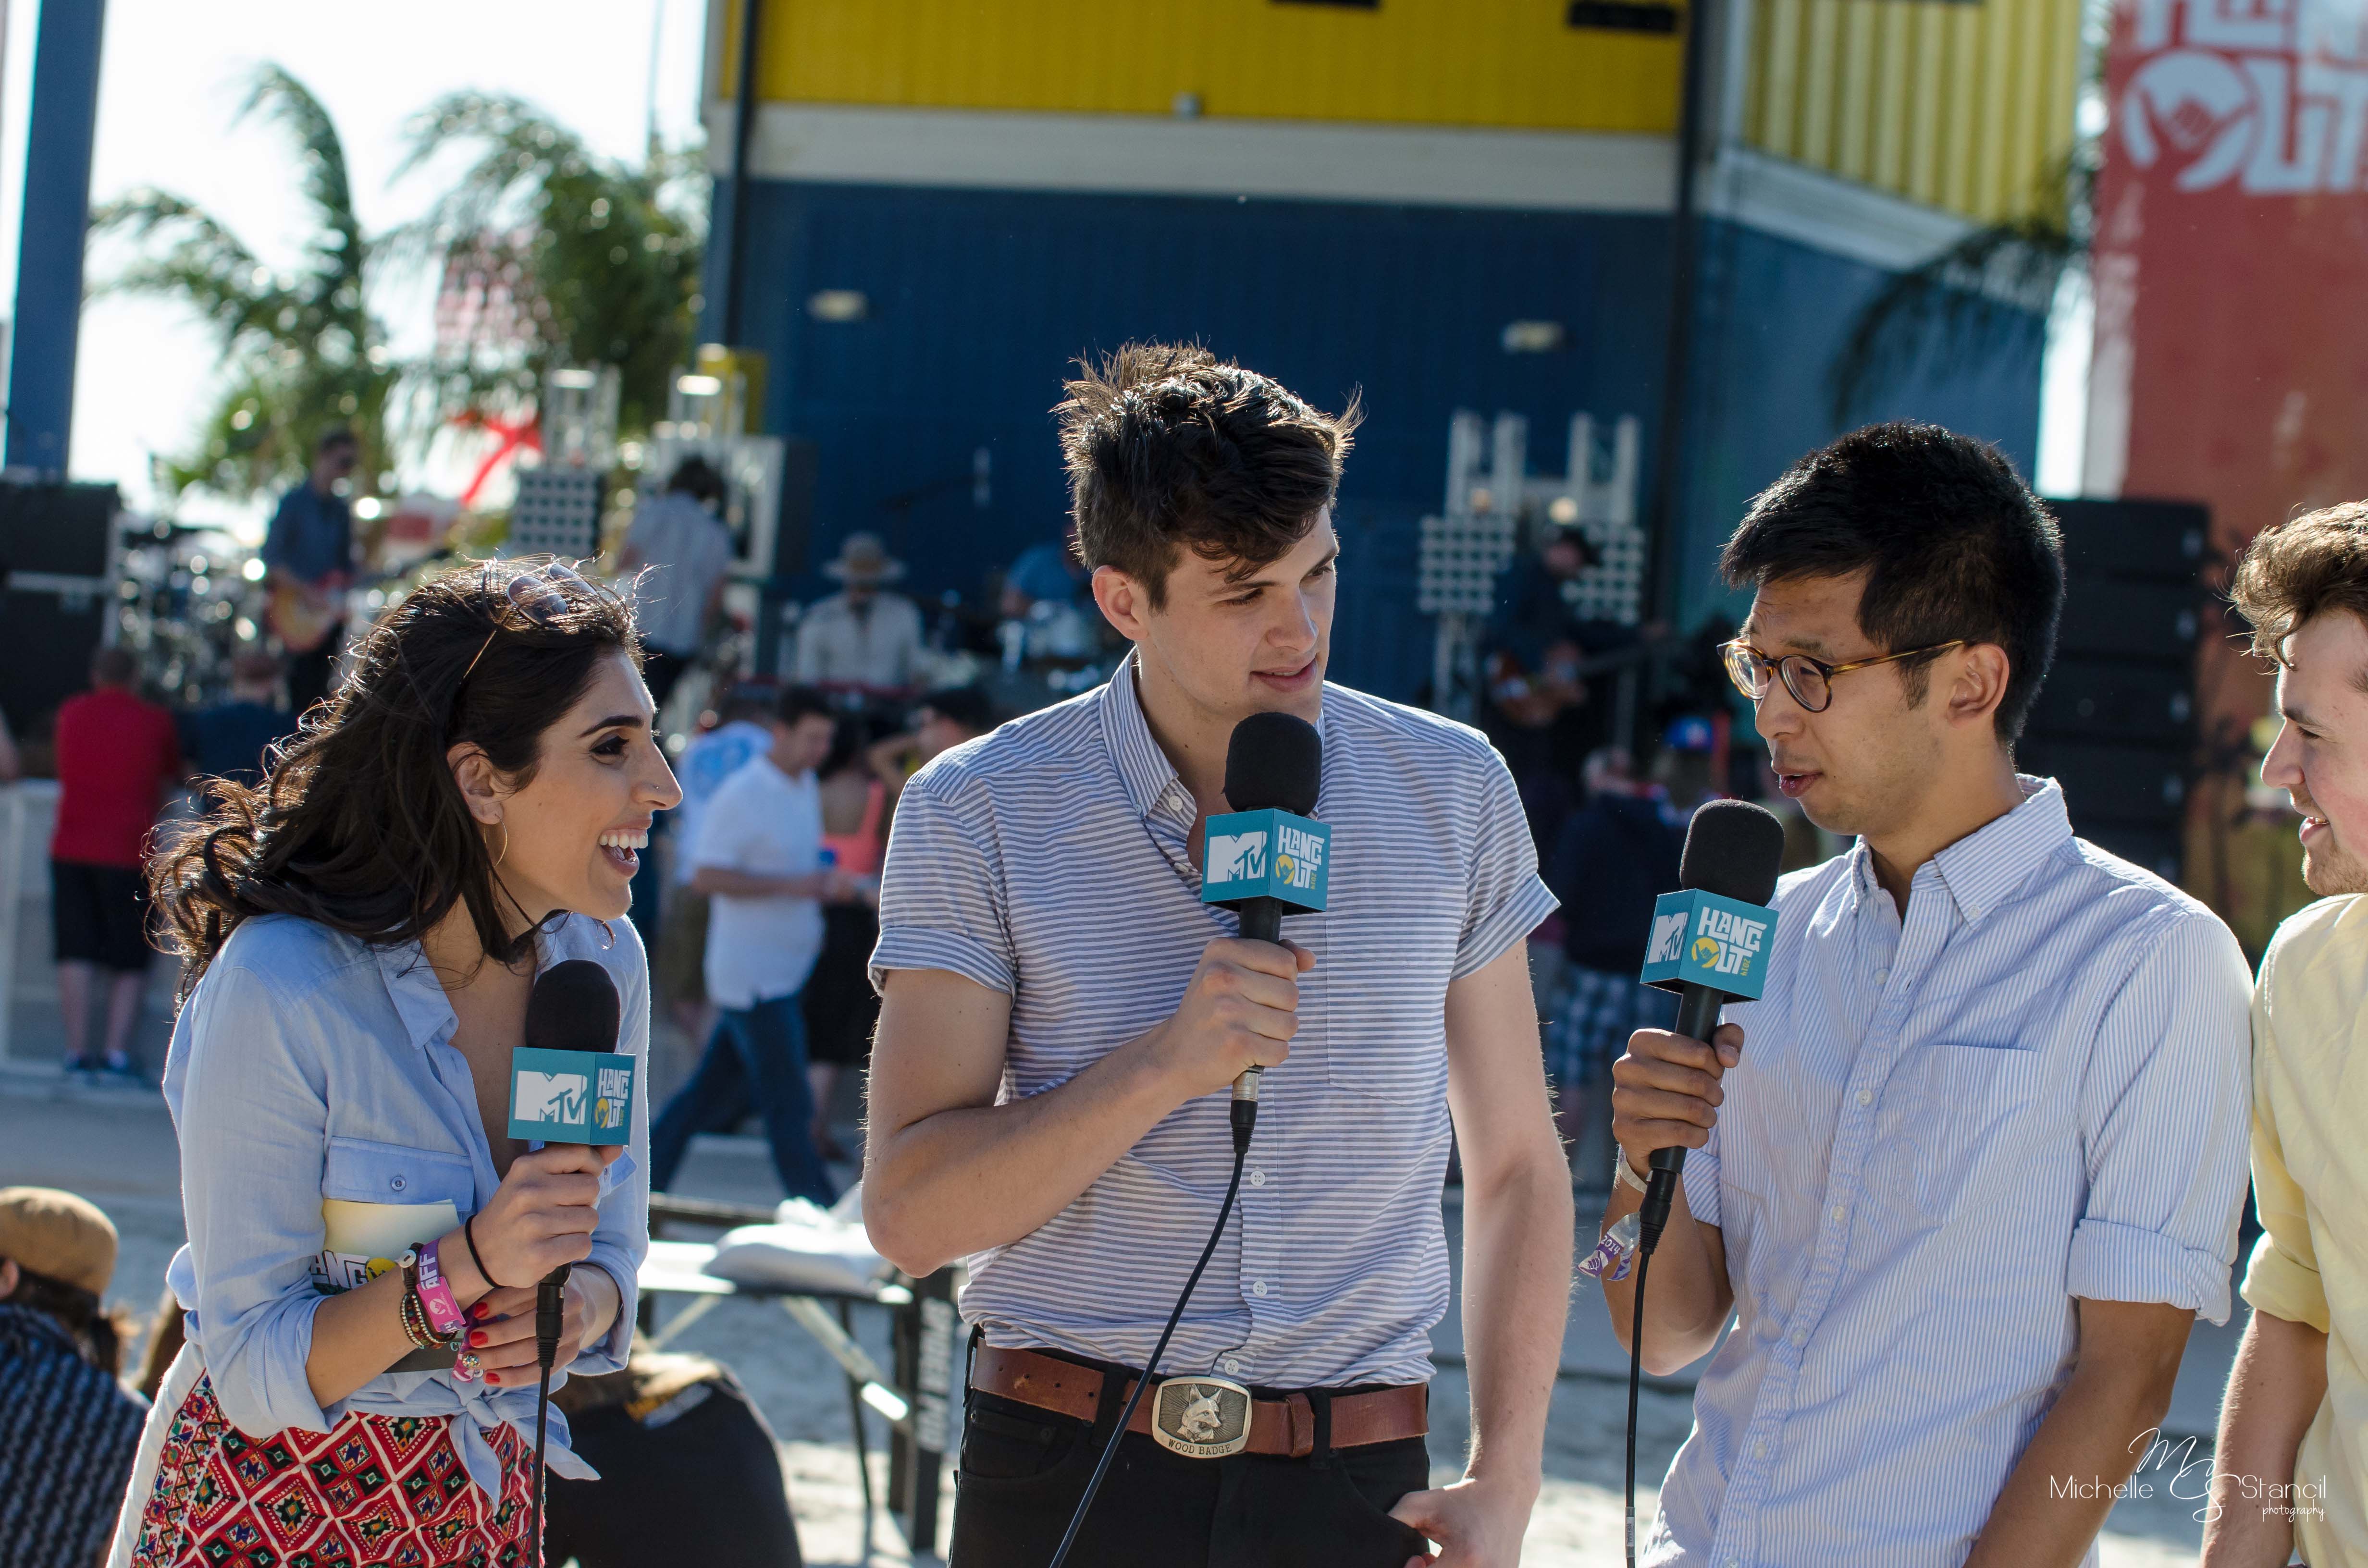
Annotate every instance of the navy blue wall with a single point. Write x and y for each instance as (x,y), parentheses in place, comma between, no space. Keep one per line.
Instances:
(1774,314)
(980,298)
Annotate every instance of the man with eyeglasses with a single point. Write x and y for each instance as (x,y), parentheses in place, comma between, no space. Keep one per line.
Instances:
(1969,1171)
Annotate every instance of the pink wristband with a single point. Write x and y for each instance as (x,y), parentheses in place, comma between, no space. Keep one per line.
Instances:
(436,1296)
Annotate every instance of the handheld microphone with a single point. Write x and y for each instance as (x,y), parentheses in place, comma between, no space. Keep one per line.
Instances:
(568,1084)
(1709,944)
(1267,855)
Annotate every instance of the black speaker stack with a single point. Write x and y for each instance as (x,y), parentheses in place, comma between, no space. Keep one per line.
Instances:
(2115,721)
(57,590)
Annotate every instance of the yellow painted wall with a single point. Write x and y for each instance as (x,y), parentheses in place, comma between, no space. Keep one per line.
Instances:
(1957,105)
(1492,63)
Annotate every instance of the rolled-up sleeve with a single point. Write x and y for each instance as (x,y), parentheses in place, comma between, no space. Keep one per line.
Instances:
(1508,899)
(2164,1113)
(253,1119)
(2283,1278)
(621,1241)
(942,891)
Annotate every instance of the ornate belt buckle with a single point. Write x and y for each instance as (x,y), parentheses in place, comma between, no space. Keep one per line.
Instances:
(1201,1419)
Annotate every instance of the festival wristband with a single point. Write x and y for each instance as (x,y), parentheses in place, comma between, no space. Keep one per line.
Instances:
(412,1316)
(436,1296)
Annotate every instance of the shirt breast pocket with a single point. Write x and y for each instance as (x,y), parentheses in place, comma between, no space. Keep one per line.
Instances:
(1384,984)
(1965,1129)
(360,1171)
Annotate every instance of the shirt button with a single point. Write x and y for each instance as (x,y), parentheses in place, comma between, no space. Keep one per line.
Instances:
(1882,977)
(1866,1096)
(398,1184)
(1258,1178)
(1800,1337)
(1840,1213)
(1257,1288)
(1233,1363)
(1759,1449)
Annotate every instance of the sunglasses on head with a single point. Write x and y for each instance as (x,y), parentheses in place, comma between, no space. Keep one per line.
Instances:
(538,598)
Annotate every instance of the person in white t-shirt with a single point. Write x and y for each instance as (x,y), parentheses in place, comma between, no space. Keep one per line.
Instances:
(757,853)
(679,963)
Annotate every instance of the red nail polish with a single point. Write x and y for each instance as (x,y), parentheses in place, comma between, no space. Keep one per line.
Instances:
(493,1377)
(478,1311)
(476,1339)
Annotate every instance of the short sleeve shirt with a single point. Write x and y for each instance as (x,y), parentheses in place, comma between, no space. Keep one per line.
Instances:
(766,823)
(116,756)
(1049,860)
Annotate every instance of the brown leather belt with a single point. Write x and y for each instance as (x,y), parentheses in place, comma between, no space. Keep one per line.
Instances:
(1279,1427)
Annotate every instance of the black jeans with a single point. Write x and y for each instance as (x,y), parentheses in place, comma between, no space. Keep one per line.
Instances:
(1023,1469)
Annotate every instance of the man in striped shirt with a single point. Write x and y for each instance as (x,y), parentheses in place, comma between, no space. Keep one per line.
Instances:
(1968,1172)
(1063,1018)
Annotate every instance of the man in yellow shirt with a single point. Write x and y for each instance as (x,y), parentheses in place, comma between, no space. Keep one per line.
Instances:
(2291,1467)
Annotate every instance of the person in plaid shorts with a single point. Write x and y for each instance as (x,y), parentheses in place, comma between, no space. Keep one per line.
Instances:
(1613,857)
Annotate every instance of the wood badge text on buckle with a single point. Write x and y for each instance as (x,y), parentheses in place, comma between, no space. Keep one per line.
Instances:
(1201,1419)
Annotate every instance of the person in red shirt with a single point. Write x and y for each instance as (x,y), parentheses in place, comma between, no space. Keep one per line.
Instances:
(116,755)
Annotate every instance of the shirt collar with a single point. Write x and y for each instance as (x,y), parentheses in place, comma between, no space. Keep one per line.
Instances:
(419,996)
(1143,768)
(1142,765)
(1989,865)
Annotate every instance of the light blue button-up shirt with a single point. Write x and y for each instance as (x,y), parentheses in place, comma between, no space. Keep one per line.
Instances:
(1942,1132)
(309,1064)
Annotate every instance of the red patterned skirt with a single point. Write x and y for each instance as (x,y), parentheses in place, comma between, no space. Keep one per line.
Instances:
(371,1490)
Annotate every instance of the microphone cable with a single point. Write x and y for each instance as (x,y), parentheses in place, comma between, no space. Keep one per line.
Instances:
(1635,1375)
(550,1311)
(1652,1219)
(1245,1117)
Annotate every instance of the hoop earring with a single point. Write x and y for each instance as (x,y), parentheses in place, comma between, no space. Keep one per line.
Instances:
(506,843)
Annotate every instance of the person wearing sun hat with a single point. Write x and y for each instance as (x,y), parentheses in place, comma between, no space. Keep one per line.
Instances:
(861,636)
(68,1430)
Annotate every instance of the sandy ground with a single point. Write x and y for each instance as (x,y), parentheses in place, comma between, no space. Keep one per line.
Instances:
(116,1148)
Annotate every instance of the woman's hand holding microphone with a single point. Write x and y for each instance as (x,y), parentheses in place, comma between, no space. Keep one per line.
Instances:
(542,1216)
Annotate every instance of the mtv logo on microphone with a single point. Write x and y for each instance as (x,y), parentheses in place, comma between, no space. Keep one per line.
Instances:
(571,1097)
(1701,939)
(1267,854)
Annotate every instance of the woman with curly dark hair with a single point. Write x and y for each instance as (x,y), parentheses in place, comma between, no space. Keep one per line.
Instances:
(361,934)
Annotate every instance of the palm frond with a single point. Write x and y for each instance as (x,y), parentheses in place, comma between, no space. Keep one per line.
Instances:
(1989,292)
(280,96)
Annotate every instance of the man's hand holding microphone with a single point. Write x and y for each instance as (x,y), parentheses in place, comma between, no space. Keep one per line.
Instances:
(1239,1011)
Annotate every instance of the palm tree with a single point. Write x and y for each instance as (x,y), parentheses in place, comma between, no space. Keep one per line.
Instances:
(302,350)
(593,261)
(1987,293)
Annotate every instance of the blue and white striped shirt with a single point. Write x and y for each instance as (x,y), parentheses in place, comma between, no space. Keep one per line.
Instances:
(1939,1135)
(1049,860)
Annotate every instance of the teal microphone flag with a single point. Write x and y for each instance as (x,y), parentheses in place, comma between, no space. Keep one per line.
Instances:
(1702,938)
(1268,853)
(571,1097)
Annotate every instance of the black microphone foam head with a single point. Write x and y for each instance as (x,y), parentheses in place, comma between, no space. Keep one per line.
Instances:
(573,1007)
(1275,762)
(1734,848)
